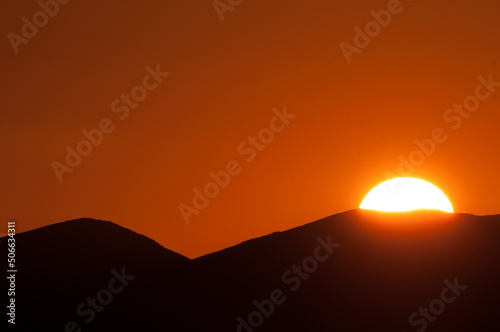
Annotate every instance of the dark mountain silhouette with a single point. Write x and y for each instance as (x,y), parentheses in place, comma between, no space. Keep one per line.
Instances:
(63,264)
(354,271)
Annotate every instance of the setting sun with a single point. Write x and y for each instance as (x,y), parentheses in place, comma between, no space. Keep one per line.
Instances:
(405,194)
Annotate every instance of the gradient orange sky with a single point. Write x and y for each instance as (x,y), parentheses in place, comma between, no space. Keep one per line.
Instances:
(354,121)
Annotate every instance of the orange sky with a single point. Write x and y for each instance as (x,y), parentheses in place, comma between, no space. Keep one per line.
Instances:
(353,121)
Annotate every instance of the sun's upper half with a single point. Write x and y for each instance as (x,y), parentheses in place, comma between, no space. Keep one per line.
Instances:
(405,194)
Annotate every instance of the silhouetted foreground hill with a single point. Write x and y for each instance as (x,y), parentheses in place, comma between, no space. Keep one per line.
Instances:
(354,271)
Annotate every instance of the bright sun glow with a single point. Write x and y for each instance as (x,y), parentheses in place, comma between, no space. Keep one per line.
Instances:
(404,194)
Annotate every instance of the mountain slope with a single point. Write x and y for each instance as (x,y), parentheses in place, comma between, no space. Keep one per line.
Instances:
(354,271)
(62,265)
(386,267)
